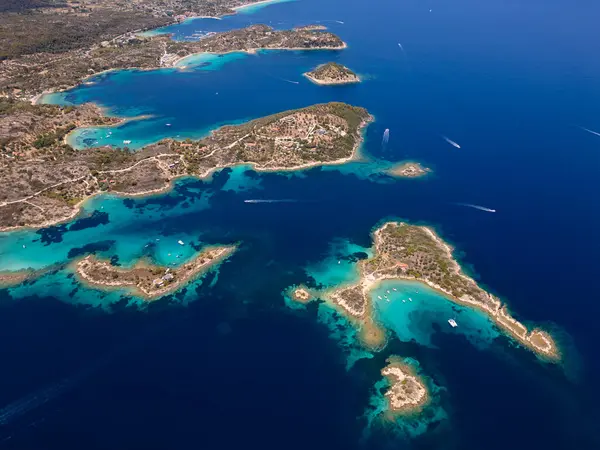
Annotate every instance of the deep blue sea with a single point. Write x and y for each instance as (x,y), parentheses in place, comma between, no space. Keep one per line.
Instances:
(229,362)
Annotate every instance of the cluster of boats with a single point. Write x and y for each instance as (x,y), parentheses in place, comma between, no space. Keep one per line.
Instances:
(385,297)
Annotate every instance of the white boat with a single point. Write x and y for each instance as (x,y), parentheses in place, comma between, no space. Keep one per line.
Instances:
(409,299)
(126,142)
(180,242)
(452,323)
(395,289)
(379,297)
(451,142)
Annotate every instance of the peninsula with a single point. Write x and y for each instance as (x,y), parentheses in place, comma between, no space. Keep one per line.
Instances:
(8,279)
(404,251)
(29,76)
(149,281)
(332,73)
(45,180)
(407,393)
(408,170)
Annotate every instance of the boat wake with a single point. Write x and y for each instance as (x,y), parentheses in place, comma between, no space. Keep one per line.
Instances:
(39,398)
(273,200)
(480,208)
(282,79)
(27,404)
(590,131)
(451,142)
(386,137)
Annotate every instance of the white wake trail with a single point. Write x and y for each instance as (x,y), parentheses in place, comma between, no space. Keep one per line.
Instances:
(451,142)
(480,208)
(590,131)
(273,200)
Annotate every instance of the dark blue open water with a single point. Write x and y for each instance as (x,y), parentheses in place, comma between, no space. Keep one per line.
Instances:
(225,363)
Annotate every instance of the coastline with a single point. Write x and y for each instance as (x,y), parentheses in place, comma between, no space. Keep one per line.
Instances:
(331,83)
(259,3)
(76,209)
(196,271)
(120,121)
(249,51)
(408,169)
(500,316)
(407,393)
(537,340)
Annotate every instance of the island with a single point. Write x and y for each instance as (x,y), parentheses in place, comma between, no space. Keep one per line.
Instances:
(301,294)
(29,76)
(46,181)
(408,170)
(332,73)
(407,393)
(410,252)
(149,281)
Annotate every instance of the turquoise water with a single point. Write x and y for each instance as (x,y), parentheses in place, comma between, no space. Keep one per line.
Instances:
(209,61)
(511,97)
(121,229)
(405,426)
(251,9)
(414,312)
(339,265)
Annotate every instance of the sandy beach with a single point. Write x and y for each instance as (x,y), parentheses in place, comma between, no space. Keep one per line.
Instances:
(537,340)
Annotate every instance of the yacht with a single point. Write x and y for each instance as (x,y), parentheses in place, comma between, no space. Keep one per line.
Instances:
(452,323)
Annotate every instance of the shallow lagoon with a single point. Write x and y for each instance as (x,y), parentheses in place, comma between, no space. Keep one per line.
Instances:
(512,108)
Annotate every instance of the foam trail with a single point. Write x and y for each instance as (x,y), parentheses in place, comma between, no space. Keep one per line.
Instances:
(283,79)
(13,411)
(329,20)
(258,200)
(451,142)
(590,131)
(35,400)
(401,48)
(386,137)
(480,208)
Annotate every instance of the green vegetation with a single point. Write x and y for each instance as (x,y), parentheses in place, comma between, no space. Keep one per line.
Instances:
(49,139)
